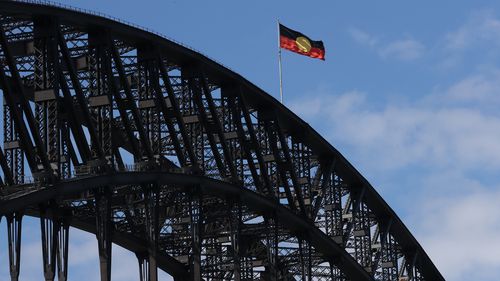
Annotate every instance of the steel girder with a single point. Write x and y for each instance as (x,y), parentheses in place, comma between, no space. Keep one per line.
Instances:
(153,146)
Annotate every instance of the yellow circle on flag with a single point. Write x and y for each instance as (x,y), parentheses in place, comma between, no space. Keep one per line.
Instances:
(303,44)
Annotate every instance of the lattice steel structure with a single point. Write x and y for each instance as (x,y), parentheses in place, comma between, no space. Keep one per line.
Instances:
(152,146)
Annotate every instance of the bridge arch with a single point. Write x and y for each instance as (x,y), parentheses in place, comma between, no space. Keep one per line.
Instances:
(94,96)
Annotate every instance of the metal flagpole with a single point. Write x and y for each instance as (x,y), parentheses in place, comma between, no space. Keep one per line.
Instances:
(279,61)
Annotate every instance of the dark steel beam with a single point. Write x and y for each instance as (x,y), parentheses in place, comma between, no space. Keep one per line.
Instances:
(130,100)
(162,107)
(255,143)
(325,172)
(75,125)
(80,97)
(282,166)
(289,165)
(177,113)
(122,109)
(197,96)
(244,142)
(7,174)
(26,108)
(10,99)
(68,108)
(216,125)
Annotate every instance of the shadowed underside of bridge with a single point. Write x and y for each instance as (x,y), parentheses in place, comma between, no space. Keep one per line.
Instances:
(154,147)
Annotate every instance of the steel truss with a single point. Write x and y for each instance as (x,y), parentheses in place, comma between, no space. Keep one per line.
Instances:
(154,147)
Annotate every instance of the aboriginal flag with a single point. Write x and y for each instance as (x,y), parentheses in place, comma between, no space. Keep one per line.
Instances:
(301,44)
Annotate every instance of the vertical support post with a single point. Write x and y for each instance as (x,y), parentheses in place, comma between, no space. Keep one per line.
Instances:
(63,247)
(49,232)
(143,266)
(195,210)
(272,272)
(14,227)
(152,229)
(104,232)
(235,228)
(55,234)
(302,262)
(309,262)
(305,259)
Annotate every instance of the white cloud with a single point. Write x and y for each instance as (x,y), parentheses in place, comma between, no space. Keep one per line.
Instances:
(462,234)
(401,49)
(362,37)
(480,88)
(477,40)
(481,27)
(405,49)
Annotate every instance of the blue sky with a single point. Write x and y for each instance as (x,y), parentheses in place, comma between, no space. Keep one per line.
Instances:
(409,93)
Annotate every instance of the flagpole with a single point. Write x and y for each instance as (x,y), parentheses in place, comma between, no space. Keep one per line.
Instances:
(279,61)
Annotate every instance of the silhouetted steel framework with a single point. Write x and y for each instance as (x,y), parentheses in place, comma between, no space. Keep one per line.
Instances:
(155,147)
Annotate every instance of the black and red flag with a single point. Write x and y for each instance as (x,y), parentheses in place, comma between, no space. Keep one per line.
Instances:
(299,43)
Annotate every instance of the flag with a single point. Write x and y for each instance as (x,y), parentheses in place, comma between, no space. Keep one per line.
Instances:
(299,43)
